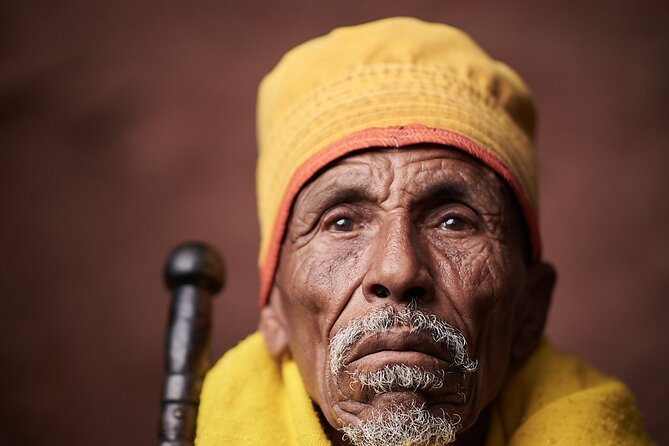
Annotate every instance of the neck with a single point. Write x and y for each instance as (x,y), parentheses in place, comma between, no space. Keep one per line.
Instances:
(477,434)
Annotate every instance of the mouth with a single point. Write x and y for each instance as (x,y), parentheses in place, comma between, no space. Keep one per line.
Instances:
(398,347)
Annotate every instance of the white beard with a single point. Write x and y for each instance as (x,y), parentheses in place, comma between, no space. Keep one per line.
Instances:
(403,426)
(406,424)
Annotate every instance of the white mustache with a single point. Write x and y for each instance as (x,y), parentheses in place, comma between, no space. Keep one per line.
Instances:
(410,317)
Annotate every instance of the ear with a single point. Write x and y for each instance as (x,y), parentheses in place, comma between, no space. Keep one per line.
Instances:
(533,312)
(273,325)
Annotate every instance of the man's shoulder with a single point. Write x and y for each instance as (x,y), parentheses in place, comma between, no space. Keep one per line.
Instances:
(556,398)
(249,354)
(236,391)
(248,364)
(548,375)
(251,398)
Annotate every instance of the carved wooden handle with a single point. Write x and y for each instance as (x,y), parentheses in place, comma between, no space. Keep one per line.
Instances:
(194,273)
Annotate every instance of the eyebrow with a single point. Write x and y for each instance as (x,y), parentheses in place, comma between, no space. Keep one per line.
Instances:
(443,191)
(358,193)
(350,194)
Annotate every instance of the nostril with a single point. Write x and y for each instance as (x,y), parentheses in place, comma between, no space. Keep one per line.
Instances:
(414,293)
(380,290)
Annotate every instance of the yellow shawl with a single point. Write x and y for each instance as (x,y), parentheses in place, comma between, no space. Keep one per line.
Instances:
(248,398)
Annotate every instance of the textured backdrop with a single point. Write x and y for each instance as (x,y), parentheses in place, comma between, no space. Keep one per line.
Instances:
(128,126)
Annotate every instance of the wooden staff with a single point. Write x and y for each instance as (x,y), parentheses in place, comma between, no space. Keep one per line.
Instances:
(194,273)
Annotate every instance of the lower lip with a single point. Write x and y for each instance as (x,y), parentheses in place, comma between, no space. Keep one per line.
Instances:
(408,357)
(407,397)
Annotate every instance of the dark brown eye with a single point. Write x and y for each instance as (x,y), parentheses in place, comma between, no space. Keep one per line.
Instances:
(343,224)
(454,223)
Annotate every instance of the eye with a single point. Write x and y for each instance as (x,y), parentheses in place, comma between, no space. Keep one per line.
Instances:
(455,223)
(342,224)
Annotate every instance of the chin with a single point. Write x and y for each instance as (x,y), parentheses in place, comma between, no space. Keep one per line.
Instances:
(398,418)
(360,411)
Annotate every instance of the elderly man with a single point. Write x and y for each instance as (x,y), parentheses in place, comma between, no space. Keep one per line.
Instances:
(403,291)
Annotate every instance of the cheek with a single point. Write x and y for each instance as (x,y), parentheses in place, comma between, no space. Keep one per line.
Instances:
(477,269)
(317,281)
(495,265)
(482,283)
(472,273)
(324,276)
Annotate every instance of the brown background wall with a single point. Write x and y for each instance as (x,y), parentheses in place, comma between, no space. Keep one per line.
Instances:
(127,126)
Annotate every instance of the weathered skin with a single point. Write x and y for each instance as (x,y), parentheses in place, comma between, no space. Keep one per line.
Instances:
(428,223)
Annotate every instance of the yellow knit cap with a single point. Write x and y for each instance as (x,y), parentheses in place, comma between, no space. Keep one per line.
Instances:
(389,83)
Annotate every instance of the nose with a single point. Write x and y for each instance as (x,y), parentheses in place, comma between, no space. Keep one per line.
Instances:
(398,268)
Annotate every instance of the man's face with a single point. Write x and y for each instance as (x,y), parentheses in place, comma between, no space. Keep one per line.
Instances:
(403,288)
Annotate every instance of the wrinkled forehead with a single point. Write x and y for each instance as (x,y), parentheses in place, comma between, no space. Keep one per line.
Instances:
(422,169)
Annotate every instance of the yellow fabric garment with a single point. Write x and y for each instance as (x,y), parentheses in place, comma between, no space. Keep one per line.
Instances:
(248,398)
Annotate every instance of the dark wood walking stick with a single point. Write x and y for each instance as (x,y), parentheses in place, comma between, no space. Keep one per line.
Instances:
(194,273)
